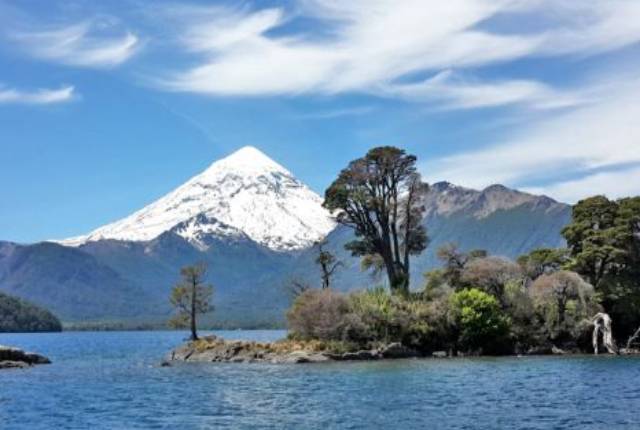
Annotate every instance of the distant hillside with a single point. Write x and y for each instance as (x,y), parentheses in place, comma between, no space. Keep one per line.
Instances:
(17,315)
(70,282)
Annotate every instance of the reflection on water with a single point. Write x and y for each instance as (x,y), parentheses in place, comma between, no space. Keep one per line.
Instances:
(111,380)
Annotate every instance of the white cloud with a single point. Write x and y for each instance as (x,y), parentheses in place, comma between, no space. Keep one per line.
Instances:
(83,44)
(373,46)
(36,97)
(591,26)
(567,151)
(613,184)
(337,113)
(456,92)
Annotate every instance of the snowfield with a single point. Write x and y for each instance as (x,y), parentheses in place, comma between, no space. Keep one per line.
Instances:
(246,193)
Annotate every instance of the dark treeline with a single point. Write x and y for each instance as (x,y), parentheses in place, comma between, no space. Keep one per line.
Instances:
(18,315)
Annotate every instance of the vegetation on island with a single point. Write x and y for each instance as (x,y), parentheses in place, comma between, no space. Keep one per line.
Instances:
(549,300)
(18,315)
(474,303)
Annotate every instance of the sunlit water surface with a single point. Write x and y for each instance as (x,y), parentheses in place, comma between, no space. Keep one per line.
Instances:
(112,380)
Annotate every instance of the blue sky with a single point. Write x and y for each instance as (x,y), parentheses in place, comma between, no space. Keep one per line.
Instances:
(106,106)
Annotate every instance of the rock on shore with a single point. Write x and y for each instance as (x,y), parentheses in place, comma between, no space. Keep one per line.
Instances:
(16,358)
(214,349)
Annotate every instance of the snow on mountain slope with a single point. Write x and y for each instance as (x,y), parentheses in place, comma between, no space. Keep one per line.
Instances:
(245,193)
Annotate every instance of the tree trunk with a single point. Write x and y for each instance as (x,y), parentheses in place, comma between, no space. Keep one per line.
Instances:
(562,308)
(194,334)
(402,281)
(325,276)
(602,324)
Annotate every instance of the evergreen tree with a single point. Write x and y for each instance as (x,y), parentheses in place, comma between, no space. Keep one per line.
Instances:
(380,197)
(191,296)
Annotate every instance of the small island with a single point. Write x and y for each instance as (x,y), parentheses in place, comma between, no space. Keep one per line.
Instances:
(11,358)
(548,301)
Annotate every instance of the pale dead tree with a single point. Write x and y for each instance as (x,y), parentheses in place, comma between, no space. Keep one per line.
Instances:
(602,324)
(633,338)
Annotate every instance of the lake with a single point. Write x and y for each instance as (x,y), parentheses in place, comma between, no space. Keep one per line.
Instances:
(112,380)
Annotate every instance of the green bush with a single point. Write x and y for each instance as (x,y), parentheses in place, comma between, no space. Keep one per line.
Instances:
(413,321)
(368,319)
(378,311)
(478,323)
(519,306)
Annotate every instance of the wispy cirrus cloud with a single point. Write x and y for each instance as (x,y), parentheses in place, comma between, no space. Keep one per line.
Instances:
(379,47)
(337,113)
(39,96)
(89,43)
(591,149)
(453,91)
(614,184)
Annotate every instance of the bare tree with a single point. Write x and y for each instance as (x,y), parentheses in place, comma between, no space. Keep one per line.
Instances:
(328,264)
(296,287)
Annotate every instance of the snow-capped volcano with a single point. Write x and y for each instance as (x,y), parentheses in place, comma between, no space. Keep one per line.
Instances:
(245,194)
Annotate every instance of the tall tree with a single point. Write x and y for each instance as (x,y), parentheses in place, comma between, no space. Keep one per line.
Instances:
(604,243)
(191,296)
(543,261)
(328,264)
(380,197)
(592,240)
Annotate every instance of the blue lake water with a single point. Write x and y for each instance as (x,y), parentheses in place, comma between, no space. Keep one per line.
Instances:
(112,380)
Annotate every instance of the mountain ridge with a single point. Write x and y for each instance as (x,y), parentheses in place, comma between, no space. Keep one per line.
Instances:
(251,261)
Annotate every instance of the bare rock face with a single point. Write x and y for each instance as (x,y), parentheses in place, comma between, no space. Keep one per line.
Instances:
(16,358)
(213,349)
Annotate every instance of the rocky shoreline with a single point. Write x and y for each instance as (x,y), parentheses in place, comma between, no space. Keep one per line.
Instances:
(213,349)
(12,358)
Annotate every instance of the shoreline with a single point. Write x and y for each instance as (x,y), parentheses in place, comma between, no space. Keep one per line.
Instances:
(213,349)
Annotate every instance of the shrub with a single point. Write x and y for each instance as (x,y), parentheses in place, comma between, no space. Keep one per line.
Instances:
(478,322)
(563,301)
(320,314)
(386,318)
(378,312)
(491,274)
(519,306)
